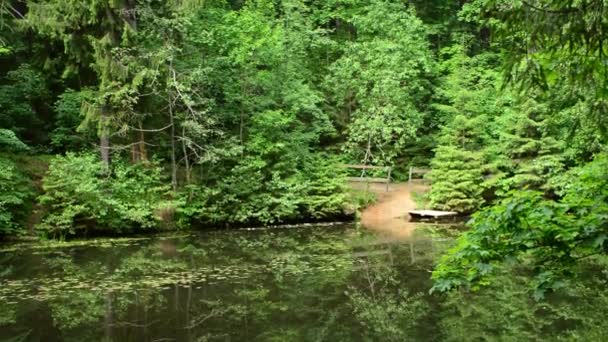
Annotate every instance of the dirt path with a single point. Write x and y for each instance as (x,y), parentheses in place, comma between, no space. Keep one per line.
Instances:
(390,214)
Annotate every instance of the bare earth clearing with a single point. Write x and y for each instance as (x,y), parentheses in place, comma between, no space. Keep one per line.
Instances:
(389,215)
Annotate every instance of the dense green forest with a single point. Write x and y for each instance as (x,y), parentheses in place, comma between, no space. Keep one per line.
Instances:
(118,116)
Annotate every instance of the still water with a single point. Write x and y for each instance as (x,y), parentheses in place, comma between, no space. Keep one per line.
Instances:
(331,283)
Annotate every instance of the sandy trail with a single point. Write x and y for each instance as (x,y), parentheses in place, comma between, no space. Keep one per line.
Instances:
(389,216)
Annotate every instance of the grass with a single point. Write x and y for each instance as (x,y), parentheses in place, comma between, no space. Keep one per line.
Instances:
(421,199)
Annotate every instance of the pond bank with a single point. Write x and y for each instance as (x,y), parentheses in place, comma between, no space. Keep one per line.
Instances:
(389,215)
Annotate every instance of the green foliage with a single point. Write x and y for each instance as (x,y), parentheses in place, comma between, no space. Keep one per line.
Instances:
(381,80)
(530,154)
(68,108)
(248,104)
(467,100)
(16,194)
(456,180)
(325,188)
(251,105)
(362,199)
(279,179)
(10,142)
(551,235)
(80,196)
(558,46)
(23,94)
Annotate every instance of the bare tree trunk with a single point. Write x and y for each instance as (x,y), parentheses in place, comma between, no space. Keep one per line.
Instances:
(173,162)
(134,154)
(188,170)
(242,111)
(104,138)
(143,153)
(368,150)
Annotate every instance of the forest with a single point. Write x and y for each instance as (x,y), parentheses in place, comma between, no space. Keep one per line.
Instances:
(121,117)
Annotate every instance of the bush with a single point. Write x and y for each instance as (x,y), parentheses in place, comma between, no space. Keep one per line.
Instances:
(255,193)
(278,178)
(10,142)
(81,196)
(15,194)
(325,191)
(553,235)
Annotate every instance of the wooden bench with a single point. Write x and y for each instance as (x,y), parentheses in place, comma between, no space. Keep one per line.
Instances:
(368,179)
(386,180)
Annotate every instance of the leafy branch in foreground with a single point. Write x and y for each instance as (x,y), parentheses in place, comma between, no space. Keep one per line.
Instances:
(549,235)
(553,44)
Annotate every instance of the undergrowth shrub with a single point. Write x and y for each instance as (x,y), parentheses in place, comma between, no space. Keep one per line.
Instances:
(277,178)
(16,193)
(80,196)
(255,193)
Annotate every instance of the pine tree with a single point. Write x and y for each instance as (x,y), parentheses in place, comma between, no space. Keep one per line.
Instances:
(457,171)
(467,104)
(533,154)
(92,31)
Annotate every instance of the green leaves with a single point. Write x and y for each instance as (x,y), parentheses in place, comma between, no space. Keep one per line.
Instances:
(380,80)
(467,101)
(15,194)
(68,135)
(558,46)
(10,142)
(549,235)
(278,179)
(456,176)
(23,95)
(80,196)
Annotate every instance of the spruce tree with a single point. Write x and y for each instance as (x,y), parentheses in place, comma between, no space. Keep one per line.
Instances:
(92,32)
(533,154)
(467,102)
(457,171)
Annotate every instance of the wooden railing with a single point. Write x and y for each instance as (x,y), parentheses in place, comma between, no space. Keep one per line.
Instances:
(417,171)
(363,178)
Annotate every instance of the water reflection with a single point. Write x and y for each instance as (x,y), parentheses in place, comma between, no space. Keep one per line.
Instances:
(390,215)
(337,283)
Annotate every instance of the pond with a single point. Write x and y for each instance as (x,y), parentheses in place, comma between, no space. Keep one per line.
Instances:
(317,283)
(313,283)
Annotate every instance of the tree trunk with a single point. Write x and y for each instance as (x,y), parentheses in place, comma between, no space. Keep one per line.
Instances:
(134,154)
(185,150)
(104,138)
(242,124)
(173,162)
(143,153)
